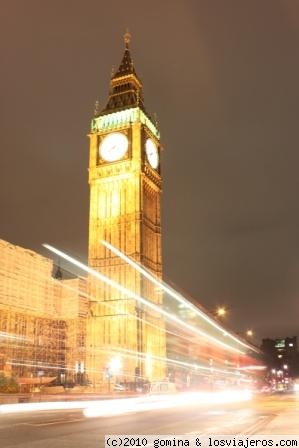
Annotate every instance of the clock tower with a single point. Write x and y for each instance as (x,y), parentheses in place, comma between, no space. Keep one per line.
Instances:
(125,339)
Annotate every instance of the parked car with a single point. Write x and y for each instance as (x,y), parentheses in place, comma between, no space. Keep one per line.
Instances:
(162,387)
(119,387)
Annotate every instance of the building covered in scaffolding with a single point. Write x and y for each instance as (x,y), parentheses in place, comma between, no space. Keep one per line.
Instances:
(42,320)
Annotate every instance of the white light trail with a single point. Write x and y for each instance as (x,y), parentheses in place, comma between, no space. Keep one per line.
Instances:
(37,365)
(194,366)
(253,368)
(158,402)
(43,406)
(138,298)
(173,293)
(5,335)
(106,408)
(138,354)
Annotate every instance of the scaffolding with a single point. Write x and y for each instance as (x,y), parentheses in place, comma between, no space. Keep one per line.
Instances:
(42,319)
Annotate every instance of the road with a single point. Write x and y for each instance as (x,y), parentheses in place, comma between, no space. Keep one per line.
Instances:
(276,414)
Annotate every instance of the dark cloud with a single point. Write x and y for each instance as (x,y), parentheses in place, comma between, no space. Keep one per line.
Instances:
(223,79)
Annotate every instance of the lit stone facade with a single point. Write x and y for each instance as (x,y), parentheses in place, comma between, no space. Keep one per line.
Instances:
(42,320)
(64,328)
(125,195)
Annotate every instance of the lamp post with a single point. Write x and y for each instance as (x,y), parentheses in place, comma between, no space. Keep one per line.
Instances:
(108,377)
(77,367)
(40,374)
(139,368)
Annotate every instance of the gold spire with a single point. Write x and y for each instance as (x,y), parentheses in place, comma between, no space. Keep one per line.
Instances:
(127,38)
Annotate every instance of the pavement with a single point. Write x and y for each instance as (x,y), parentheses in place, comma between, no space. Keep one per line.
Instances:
(284,416)
(278,414)
(39,397)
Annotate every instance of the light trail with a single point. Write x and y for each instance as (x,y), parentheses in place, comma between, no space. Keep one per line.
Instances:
(44,406)
(5,335)
(29,363)
(172,293)
(179,363)
(114,306)
(253,368)
(107,408)
(197,367)
(136,355)
(138,298)
(159,402)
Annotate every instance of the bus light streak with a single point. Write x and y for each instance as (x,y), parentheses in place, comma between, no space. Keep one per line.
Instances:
(107,408)
(172,293)
(138,298)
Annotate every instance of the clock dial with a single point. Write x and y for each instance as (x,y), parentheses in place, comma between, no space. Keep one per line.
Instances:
(113,147)
(152,153)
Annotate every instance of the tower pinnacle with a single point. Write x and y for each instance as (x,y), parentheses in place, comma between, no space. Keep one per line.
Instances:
(125,86)
(127,38)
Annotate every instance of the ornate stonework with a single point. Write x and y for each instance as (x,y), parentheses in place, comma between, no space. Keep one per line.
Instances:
(125,199)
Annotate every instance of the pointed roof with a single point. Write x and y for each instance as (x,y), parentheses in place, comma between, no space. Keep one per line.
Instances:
(125,86)
(126,66)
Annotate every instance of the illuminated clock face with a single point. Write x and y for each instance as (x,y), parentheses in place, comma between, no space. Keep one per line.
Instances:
(113,147)
(152,153)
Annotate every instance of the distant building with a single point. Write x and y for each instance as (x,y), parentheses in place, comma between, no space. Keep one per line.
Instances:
(282,354)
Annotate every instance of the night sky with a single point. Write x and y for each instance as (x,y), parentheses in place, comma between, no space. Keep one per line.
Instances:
(223,78)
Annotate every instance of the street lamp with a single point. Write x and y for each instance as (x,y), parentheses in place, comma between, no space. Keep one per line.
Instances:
(221,311)
(249,333)
(77,368)
(115,365)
